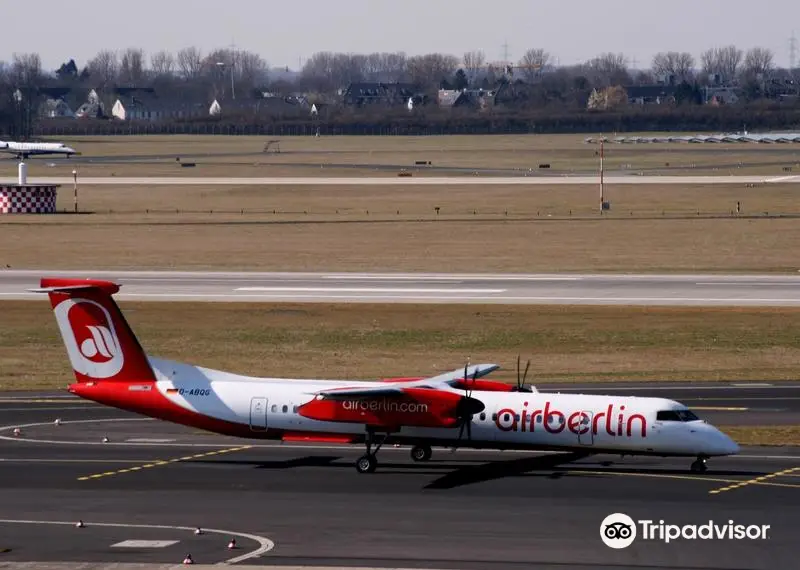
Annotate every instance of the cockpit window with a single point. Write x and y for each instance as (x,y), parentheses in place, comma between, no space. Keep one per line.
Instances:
(676,416)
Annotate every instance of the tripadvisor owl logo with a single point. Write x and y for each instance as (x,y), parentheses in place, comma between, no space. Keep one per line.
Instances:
(618,530)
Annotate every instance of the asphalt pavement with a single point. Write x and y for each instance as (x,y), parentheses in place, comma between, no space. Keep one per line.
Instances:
(575,289)
(305,504)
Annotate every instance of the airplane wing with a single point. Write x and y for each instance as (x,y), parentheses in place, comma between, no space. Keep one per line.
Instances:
(398,388)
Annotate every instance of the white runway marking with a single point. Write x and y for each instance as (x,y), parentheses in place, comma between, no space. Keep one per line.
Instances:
(369,290)
(144,543)
(745,284)
(445,278)
(264,544)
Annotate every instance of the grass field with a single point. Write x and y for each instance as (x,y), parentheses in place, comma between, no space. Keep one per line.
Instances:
(360,156)
(370,341)
(764,435)
(339,228)
(496,228)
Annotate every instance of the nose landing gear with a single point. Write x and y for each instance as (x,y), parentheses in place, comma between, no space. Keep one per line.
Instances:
(368,463)
(699,465)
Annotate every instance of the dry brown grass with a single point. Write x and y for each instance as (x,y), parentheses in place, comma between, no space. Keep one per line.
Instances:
(304,156)
(397,229)
(764,435)
(370,341)
(415,200)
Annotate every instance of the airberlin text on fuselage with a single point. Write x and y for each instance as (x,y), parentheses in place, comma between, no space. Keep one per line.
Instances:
(385,406)
(613,421)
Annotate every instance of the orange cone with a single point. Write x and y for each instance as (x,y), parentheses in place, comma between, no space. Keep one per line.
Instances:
(232,544)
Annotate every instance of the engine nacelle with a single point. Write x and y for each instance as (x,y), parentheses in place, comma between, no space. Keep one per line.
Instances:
(417,407)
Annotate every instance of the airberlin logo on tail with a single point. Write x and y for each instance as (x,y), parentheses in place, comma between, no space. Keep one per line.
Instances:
(100,345)
(90,337)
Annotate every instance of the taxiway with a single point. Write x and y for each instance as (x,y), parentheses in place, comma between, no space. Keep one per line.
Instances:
(567,289)
(153,483)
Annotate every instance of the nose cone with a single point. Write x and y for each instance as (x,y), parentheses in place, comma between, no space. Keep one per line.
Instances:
(723,444)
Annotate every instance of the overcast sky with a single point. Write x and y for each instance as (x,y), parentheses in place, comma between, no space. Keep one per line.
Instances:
(284,31)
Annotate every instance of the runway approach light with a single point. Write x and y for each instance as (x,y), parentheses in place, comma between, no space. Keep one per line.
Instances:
(188,559)
(232,544)
(105,440)
(79,524)
(198,530)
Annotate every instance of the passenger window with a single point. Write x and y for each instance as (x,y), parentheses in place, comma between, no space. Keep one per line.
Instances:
(274,408)
(483,416)
(506,417)
(285,409)
(294,409)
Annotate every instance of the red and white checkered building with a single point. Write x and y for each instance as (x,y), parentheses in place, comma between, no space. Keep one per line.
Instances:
(28,199)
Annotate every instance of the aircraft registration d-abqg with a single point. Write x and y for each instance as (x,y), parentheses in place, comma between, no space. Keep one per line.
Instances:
(456,409)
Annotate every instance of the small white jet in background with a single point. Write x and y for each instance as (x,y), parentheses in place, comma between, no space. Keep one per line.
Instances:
(24,150)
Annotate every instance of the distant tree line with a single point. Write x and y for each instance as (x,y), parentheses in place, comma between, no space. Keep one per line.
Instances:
(547,97)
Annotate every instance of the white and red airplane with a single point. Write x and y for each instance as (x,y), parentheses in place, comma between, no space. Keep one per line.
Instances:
(112,368)
(24,150)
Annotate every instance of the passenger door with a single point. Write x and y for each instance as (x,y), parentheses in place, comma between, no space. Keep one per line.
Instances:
(258,414)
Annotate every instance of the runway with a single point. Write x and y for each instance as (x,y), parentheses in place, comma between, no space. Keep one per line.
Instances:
(572,289)
(535,180)
(307,505)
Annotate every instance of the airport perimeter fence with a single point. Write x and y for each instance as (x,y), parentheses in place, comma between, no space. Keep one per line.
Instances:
(654,118)
(308,130)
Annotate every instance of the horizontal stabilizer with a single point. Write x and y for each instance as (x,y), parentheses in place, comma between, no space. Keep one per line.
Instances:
(60,285)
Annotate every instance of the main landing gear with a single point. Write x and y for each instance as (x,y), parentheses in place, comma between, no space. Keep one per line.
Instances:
(699,465)
(421,452)
(368,463)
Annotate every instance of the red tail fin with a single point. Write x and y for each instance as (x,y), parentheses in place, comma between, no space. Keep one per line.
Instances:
(99,342)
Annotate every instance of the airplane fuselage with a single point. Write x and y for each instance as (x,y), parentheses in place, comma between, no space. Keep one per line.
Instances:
(24,149)
(268,408)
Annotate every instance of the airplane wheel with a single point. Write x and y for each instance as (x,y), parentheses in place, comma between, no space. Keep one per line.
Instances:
(366,464)
(699,466)
(421,453)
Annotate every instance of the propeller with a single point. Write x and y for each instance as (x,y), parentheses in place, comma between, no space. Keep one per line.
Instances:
(467,407)
(520,387)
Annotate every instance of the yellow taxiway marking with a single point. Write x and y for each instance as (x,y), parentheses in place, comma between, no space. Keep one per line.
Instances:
(160,462)
(758,481)
(698,478)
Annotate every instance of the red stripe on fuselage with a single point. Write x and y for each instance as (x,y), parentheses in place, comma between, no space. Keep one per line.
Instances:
(154,404)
